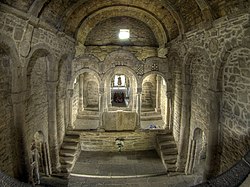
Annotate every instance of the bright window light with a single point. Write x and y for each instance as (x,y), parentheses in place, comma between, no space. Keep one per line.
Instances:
(124,34)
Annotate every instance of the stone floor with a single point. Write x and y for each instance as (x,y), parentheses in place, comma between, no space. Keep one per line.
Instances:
(110,164)
(140,169)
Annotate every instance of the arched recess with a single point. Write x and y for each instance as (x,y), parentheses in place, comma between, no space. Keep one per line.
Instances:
(155,98)
(198,104)
(41,99)
(77,92)
(92,20)
(234,83)
(106,83)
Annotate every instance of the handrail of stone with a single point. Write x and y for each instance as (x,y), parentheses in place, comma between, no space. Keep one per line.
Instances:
(233,177)
(6,180)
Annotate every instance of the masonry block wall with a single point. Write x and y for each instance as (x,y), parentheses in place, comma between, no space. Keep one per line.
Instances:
(34,52)
(6,114)
(91,90)
(219,58)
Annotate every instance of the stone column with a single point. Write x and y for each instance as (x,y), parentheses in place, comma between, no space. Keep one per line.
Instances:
(21,148)
(52,123)
(185,128)
(138,107)
(101,106)
(81,106)
(169,110)
(190,157)
(157,95)
(70,108)
(212,145)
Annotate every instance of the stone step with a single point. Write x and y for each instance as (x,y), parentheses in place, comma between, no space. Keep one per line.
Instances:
(67,159)
(91,108)
(147,109)
(171,167)
(66,168)
(68,152)
(73,138)
(73,133)
(167,144)
(171,151)
(151,118)
(89,117)
(89,112)
(165,138)
(169,158)
(150,113)
(70,145)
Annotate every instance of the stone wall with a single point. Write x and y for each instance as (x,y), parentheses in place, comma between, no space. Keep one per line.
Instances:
(6,115)
(227,34)
(235,114)
(90,90)
(133,141)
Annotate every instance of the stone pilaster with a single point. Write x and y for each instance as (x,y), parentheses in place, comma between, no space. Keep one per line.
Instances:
(138,107)
(52,123)
(212,145)
(184,128)
(158,90)
(169,110)
(21,148)
(101,106)
(81,106)
(70,108)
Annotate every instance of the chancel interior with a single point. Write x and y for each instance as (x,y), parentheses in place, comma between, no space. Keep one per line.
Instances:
(124,92)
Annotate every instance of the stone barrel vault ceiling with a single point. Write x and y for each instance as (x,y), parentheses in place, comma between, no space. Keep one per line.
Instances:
(170,18)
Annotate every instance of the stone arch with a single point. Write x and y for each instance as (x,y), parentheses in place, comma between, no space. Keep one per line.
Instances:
(155,25)
(9,46)
(37,67)
(81,71)
(168,81)
(233,82)
(119,70)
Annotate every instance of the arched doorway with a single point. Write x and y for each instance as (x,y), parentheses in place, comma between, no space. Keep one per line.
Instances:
(154,102)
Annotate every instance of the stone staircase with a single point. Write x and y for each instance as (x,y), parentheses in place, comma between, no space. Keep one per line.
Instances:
(69,152)
(89,115)
(166,148)
(149,117)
